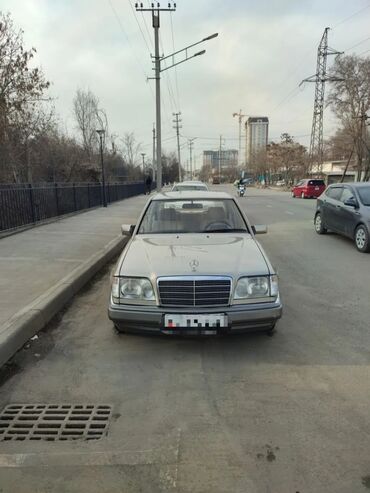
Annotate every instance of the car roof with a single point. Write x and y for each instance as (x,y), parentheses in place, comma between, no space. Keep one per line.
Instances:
(355,184)
(190,194)
(190,183)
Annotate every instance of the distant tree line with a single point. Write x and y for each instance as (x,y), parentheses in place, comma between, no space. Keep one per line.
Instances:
(34,146)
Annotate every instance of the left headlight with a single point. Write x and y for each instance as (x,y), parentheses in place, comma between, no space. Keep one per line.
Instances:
(250,288)
(132,290)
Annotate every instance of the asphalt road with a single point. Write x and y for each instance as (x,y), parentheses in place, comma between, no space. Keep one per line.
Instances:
(245,414)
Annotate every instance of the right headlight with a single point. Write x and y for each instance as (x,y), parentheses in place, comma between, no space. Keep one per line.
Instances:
(256,287)
(132,290)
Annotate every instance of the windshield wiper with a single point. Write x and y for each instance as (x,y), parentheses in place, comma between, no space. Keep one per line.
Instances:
(226,230)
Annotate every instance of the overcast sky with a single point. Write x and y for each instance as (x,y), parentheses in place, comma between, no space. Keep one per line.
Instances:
(264,49)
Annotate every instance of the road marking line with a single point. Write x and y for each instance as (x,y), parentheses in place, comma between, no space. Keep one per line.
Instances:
(99,458)
(268,205)
(289,212)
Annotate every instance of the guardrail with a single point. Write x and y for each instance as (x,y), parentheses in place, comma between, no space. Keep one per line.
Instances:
(26,204)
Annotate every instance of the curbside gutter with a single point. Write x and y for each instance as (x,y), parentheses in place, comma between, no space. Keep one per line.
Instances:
(35,316)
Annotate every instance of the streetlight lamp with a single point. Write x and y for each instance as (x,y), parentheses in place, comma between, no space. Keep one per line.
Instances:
(101,134)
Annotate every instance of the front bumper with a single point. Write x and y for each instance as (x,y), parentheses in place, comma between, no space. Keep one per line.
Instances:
(241,318)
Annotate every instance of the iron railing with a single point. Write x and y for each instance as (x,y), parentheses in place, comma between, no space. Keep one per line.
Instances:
(26,204)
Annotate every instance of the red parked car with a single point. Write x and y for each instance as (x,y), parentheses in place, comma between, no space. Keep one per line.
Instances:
(308,189)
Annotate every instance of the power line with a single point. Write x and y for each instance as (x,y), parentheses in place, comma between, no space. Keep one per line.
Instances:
(350,16)
(357,44)
(304,57)
(129,43)
(139,26)
(290,96)
(168,82)
(174,49)
(362,53)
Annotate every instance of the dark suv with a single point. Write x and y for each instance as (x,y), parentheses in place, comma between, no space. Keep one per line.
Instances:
(345,209)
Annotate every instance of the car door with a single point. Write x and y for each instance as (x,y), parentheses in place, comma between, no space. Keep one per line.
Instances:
(347,215)
(298,188)
(330,206)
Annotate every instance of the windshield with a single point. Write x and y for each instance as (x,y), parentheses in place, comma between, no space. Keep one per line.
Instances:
(183,188)
(192,216)
(364,193)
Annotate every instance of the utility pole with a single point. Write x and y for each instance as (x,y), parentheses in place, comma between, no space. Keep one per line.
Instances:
(177,127)
(155,9)
(219,159)
(191,144)
(319,78)
(240,118)
(364,174)
(154,163)
(158,125)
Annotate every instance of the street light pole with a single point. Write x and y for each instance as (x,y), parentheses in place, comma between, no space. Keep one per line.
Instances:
(191,144)
(155,9)
(101,134)
(143,156)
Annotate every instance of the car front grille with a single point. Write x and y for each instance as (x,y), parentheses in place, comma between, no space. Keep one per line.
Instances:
(194,291)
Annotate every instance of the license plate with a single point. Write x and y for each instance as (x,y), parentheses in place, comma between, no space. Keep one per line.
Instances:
(317,188)
(203,321)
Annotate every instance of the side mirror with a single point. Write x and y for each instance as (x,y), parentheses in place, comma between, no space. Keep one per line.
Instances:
(351,202)
(259,229)
(127,229)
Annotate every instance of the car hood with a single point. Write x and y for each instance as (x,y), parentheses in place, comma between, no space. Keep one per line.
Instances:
(185,255)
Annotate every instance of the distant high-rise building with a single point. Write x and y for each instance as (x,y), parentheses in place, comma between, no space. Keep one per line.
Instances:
(256,130)
(229,158)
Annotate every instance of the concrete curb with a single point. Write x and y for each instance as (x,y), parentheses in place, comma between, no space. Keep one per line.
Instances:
(35,316)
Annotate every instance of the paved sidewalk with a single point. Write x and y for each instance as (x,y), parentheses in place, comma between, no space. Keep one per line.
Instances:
(43,267)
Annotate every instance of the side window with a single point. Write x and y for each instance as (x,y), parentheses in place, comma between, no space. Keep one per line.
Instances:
(346,194)
(300,183)
(334,192)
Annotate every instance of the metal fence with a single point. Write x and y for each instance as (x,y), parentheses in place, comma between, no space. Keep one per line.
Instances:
(26,204)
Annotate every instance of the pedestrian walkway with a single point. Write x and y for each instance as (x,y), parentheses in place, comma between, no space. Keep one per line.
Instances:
(37,265)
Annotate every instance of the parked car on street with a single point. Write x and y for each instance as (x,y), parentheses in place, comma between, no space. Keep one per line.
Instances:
(193,266)
(280,183)
(308,189)
(186,186)
(345,209)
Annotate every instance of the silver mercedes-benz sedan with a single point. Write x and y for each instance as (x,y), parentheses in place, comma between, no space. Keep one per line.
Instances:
(193,266)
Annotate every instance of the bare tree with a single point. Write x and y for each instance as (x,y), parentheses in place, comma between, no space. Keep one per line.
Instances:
(350,100)
(86,107)
(21,90)
(130,149)
(287,158)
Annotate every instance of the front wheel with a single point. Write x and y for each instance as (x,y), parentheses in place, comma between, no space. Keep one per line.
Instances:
(319,227)
(119,329)
(271,331)
(362,239)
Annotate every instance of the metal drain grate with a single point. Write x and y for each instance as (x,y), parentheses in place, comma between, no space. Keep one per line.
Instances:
(54,422)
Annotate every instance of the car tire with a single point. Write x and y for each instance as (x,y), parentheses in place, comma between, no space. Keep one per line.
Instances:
(119,329)
(319,227)
(302,195)
(271,331)
(362,239)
